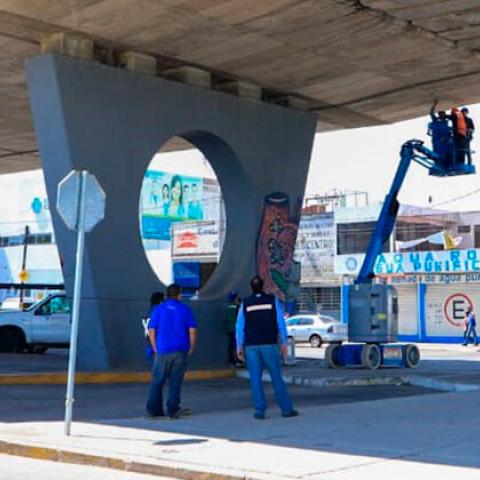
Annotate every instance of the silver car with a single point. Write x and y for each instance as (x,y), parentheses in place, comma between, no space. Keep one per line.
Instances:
(316,329)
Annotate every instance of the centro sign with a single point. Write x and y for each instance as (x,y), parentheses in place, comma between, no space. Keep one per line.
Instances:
(455,308)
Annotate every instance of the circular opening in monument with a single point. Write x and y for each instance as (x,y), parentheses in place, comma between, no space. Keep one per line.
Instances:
(182,216)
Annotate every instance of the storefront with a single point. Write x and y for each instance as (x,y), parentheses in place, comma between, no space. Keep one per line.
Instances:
(432,298)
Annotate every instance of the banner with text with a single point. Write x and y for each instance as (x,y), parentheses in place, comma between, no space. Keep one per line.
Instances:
(445,261)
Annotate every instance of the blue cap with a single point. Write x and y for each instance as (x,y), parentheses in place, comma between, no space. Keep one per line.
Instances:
(232,296)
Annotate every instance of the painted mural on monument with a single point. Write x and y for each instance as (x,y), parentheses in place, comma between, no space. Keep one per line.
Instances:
(276,244)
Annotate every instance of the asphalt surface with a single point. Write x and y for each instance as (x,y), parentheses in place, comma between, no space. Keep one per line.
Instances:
(26,403)
(54,360)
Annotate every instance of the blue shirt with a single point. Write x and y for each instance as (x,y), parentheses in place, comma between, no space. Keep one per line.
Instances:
(171,320)
(472,323)
(282,328)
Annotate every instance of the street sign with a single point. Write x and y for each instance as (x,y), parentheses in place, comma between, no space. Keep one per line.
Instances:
(23,276)
(81,204)
(68,200)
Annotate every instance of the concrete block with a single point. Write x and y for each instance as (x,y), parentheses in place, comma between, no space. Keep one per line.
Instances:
(189,75)
(291,101)
(242,89)
(69,44)
(138,62)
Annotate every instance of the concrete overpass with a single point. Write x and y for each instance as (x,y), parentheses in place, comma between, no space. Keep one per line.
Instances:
(247,82)
(352,62)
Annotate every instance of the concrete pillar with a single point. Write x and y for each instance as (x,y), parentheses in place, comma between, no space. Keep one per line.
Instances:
(112,121)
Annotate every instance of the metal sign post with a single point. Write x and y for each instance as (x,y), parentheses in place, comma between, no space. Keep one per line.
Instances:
(77,288)
(81,204)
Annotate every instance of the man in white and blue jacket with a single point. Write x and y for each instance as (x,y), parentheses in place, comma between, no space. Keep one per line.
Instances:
(260,330)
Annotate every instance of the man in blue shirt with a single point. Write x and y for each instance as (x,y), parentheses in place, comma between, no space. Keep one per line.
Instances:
(260,323)
(172,331)
(471,327)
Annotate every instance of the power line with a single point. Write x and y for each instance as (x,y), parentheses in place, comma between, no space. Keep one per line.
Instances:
(455,199)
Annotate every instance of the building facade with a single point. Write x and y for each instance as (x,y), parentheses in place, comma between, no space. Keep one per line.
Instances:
(433,260)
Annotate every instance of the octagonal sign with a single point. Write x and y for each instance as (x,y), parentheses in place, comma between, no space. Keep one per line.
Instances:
(69,198)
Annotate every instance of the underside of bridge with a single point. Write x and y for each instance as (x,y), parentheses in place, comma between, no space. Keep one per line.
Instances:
(352,62)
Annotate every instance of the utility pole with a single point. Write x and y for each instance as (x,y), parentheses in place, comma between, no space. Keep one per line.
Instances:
(24,264)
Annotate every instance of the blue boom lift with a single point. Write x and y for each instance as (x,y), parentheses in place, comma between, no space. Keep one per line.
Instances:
(373,308)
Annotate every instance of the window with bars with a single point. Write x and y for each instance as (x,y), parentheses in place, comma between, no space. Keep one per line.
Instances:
(319,298)
(355,237)
(476,233)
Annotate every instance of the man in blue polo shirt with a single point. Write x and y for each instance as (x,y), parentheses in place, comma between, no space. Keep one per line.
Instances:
(172,331)
(261,333)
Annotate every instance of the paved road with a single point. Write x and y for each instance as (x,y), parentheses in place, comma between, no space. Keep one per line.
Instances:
(20,403)
(56,360)
(18,468)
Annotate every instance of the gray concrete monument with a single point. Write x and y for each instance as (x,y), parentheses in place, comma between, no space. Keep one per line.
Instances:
(111,122)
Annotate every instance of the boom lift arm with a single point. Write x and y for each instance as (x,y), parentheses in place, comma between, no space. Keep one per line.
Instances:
(438,166)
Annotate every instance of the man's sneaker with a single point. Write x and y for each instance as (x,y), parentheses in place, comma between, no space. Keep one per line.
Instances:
(148,416)
(184,412)
(293,413)
(174,416)
(259,416)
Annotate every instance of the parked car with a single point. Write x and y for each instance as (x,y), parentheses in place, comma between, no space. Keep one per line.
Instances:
(13,303)
(45,324)
(316,329)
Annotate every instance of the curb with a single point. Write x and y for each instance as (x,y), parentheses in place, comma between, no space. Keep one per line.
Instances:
(324,382)
(65,456)
(414,380)
(60,378)
(443,385)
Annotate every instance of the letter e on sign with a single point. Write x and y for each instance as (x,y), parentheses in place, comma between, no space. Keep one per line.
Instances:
(455,308)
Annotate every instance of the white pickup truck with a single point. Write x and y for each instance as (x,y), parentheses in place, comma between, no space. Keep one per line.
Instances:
(44,324)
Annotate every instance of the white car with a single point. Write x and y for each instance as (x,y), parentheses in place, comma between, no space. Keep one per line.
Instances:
(316,329)
(45,324)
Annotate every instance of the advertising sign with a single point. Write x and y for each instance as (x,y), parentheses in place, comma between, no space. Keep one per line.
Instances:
(195,239)
(445,261)
(167,198)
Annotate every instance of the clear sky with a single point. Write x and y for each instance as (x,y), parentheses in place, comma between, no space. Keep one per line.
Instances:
(366,159)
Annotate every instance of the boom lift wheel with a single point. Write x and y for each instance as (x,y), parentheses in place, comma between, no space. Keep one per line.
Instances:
(412,356)
(371,356)
(330,355)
